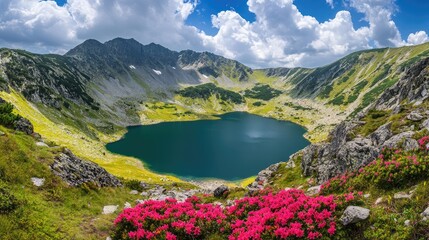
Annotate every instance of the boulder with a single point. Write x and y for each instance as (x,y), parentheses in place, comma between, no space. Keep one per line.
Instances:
(378,201)
(402,195)
(220,191)
(41,144)
(76,171)
(425,213)
(398,139)
(38,182)
(134,192)
(109,209)
(24,125)
(263,178)
(127,205)
(410,144)
(354,214)
(381,134)
(313,190)
(144,185)
(407,223)
(425,124)
(415,116)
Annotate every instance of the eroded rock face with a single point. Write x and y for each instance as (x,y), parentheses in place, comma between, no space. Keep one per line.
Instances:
(24,125)
(413,87)
(76,171)
(327,160)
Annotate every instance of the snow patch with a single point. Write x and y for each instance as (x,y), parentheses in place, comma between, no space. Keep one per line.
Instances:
(132,67)
(205,76)
(157,72)
(173,67)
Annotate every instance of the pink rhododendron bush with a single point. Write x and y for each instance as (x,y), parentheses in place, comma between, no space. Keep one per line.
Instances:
(286,214)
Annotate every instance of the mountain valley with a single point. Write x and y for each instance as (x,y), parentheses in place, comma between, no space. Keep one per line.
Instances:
(353,109)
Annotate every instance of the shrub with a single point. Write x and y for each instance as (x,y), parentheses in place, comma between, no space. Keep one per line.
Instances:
(286,214)
(7,117)
(8,202)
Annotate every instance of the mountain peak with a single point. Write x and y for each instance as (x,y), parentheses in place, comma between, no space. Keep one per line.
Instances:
(90,46)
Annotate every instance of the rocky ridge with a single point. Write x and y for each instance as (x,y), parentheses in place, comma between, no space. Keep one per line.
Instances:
(347,152)
(76,171)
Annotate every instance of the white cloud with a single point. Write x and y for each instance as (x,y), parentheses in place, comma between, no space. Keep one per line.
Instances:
(417,38)
(382,28)
(44,25)
(283,36)
(280,36)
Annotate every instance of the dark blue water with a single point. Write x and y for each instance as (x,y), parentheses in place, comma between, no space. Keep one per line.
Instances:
(237,146)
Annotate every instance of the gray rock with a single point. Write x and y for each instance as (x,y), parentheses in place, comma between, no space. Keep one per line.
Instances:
(41,144)
(425,124)
(2,133)
(144,194)
(24,125)
(38,182)
(144,185)
(354,214)
(109,209)
(379,200)
(108,238)
(263,177)
(398,139)
(407,223)
(425,213)
(381,134)
(76,171)
(313,190)
(134,192)
(410,144)
(220,191)
(127,205)
(290,164)
(415,116)
(402,195)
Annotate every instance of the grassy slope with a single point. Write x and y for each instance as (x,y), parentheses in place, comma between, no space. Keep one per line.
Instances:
(81,145)
(53,211)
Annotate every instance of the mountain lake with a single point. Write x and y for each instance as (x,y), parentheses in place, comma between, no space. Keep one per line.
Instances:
(236,146)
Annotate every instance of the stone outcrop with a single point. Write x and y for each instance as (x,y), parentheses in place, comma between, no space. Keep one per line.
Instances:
(76,171)
(24,125)
(354,214)
(263,177)
(220,191)
(327,160)
(412,87)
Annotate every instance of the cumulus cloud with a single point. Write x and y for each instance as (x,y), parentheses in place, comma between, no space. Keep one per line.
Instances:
(45,25)
(417,38)
(382,28)
(283,36)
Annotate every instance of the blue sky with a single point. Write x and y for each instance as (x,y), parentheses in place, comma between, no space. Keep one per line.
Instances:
(411,16)
(258,33)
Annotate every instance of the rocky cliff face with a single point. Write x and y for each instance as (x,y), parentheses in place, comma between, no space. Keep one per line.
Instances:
(348,149)
(76,171)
